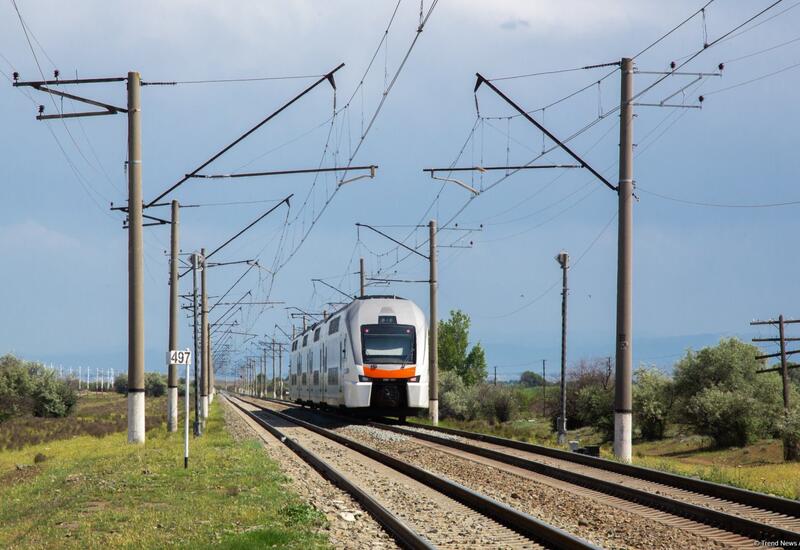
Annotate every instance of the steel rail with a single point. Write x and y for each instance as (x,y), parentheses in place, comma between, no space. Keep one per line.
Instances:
(402,533)
(708,488)
(503,514)
(715,518)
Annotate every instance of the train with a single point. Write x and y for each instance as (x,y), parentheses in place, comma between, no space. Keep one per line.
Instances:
(369,357)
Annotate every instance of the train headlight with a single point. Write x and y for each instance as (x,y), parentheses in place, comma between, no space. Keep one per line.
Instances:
(414,378)
(362,378)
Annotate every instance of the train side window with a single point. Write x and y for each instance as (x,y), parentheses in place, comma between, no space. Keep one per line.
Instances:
(294,345)
(333,327)
(316,335)
(305,340)
(299,364)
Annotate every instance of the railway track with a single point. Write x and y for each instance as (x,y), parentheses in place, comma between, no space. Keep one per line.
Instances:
(419,509)
(686,503)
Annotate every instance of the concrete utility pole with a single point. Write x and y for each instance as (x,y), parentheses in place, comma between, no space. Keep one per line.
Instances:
(274,378)
(174,311)
(544,389)
(563,260)
(433,343)
(198,429)
(136,431)
(203,339)
(495,376)
(623,407)
(361,270)
(280,368)
(210,367)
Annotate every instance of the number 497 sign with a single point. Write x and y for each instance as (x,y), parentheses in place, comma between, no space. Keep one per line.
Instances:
(179,357)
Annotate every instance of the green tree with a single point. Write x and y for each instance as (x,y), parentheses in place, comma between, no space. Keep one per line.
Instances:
(155,384)
(453,355)
(595,407)
(653,396)
(530,379)
(719,392)
(475,366)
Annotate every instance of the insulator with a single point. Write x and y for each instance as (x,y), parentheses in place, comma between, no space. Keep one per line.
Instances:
(721,66)
(672,65)
(701,99)
(41,109)
(56,73)
(15,75)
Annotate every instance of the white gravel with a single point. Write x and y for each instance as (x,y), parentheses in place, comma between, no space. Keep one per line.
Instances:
(376,434)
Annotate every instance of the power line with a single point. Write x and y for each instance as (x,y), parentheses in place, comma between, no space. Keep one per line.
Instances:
(718,205)
(675,28)
(224,80)
(759,52)
(557,71)
(756,79)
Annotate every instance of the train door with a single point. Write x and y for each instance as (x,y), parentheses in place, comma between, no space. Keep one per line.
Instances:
(310,370)
(323,351)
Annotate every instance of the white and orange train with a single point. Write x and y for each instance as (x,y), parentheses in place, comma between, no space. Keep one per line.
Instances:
(371,356)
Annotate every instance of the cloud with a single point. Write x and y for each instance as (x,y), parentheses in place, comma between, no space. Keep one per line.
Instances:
(33,236)
(512,24)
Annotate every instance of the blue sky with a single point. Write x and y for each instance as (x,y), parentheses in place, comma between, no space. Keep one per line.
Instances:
(700,272)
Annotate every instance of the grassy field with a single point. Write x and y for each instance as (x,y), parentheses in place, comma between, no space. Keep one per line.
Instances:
(96,414)
(757,467)
(97,492)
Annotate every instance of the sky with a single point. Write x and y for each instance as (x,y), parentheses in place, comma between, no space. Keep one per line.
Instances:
(710,253)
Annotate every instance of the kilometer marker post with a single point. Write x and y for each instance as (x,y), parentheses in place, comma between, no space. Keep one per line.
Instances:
(183,357)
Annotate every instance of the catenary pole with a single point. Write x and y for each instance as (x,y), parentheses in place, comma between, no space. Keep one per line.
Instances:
(203,338)
(198,430)
(544,389)
(274,378)
(136,429)
(361,270)
(563,260)
(433,344)
(623,417)
(210,354)
(174,311)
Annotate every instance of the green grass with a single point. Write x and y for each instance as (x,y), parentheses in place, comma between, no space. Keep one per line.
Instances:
(535,430)
(102,492)
(96,414)
(758,467)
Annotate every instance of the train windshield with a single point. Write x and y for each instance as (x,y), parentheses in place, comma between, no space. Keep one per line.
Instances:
(388,343)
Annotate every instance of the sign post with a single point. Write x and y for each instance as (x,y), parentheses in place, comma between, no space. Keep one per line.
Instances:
(183,357)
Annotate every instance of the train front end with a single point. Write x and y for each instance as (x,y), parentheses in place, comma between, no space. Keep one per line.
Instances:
(389,336)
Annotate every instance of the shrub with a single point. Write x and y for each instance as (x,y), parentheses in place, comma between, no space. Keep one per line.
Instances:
(29,388)
(789,428)
(727,416)
(653,395)
(155,384)
(121,383)
(497,403)
(719,392)
(452,403)
(595,406)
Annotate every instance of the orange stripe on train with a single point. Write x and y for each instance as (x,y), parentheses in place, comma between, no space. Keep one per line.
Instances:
(386,373)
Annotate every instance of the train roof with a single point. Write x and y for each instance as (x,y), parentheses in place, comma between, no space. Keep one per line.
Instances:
(312,327)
